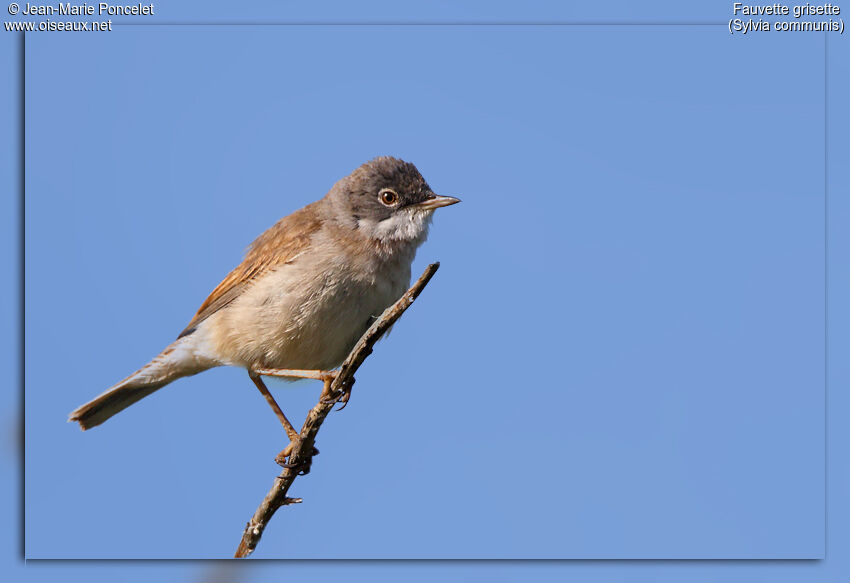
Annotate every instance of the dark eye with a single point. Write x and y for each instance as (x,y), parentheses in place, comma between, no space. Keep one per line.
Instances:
(388,196)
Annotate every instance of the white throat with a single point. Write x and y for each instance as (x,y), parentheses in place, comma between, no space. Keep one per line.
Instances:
(409,226)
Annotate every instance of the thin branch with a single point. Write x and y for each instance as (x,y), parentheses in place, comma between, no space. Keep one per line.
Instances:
(302,450)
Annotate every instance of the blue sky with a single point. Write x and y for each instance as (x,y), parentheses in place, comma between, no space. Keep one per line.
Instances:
(629,313)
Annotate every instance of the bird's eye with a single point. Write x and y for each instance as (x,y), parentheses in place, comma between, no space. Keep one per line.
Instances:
(388,196)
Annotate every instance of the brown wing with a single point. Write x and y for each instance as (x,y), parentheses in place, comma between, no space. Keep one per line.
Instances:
(279,244)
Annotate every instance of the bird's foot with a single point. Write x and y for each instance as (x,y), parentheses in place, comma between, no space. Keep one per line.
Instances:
(302,464)
(342,396)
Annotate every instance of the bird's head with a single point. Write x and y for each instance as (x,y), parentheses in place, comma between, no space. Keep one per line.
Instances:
(387,201)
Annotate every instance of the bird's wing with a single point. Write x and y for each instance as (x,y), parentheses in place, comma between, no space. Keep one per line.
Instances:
(286,239)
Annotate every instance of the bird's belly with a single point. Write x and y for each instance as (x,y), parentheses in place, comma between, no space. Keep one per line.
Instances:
(289,321)
(323,332)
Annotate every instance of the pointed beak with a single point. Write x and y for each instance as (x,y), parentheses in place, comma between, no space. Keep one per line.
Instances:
(435,201)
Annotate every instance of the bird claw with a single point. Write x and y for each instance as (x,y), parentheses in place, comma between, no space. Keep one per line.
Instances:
(284,460)
(342,397)
(301,468)
(346,395)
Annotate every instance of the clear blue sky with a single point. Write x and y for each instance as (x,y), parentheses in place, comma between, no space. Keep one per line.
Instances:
(622,355)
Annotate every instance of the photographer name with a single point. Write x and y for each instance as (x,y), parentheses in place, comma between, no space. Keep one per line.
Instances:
(86,9)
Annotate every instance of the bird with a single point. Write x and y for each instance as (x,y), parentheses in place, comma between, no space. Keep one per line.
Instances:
(305,292)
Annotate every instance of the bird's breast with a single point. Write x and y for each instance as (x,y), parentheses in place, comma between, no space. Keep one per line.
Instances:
(307,314)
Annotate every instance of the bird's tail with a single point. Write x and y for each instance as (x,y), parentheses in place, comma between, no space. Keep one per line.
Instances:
(177,360)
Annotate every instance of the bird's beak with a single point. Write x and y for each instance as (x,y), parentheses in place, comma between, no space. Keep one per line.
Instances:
(435,201)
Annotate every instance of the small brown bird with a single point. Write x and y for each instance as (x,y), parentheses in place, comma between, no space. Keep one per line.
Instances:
(306,291)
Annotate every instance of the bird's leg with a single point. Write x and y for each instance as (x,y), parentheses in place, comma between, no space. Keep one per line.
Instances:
(326,376)
(290,430)
(294,437)
(319,375)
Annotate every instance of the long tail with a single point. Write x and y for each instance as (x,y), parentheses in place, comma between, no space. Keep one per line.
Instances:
(177,360)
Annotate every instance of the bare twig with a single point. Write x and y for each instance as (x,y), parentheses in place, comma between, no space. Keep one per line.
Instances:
(302,450)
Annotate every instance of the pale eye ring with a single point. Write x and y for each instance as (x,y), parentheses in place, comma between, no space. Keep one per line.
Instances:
(388,196)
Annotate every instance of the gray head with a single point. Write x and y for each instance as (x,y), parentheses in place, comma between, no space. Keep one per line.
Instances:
(387,200)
